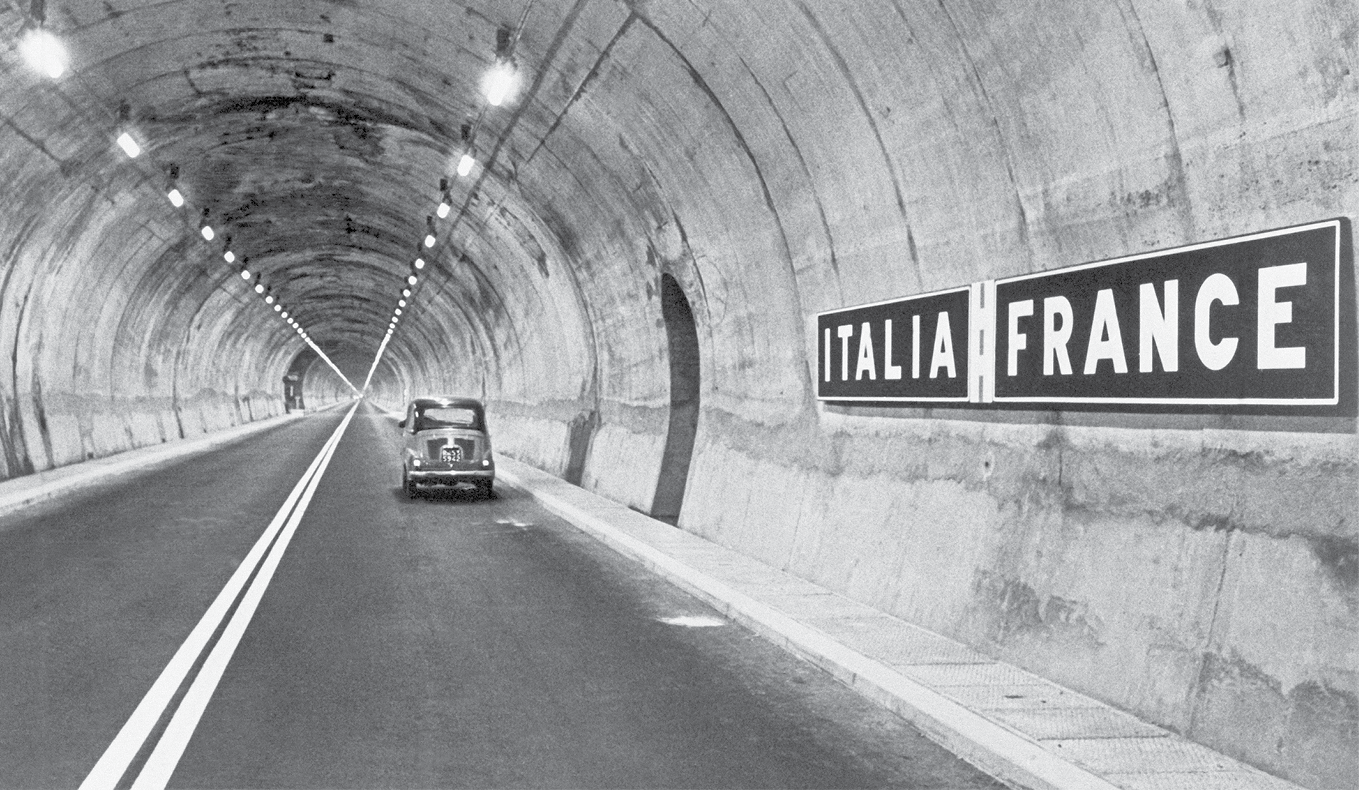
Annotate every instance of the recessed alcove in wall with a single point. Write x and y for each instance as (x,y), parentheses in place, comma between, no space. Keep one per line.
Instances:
(682,338)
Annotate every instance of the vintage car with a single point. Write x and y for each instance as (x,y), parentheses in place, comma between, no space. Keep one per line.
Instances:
(446,443)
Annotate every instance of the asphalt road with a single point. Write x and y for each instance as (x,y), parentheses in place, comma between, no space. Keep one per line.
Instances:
(448,641)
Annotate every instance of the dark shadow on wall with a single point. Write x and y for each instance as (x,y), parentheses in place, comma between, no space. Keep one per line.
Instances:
(684,393)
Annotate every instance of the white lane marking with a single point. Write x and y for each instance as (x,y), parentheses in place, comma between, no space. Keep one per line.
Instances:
(694,621)
(155,774)
(119,755)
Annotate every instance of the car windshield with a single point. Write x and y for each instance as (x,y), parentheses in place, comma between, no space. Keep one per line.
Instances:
(447,417)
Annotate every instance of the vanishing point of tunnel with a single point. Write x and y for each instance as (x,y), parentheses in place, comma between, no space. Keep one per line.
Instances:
(924,393)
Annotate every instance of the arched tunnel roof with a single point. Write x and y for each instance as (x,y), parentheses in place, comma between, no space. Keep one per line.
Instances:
(734,166)
(778,158)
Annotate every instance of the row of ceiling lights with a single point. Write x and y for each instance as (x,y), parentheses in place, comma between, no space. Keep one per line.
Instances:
(499,86)
(46,54)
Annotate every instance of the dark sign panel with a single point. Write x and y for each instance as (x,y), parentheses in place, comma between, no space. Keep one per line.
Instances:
(913,349)
(1251,321)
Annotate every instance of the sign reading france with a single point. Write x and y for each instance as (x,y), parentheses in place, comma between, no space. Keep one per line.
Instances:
(1257,321)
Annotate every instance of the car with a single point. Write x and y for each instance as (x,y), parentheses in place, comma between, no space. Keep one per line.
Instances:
(446,443)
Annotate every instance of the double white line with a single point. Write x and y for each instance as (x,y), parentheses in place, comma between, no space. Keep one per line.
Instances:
(262,560)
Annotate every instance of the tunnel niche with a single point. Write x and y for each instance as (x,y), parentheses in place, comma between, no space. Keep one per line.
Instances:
(682,340)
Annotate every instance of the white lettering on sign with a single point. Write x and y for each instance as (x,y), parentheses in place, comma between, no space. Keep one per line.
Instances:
(825,351)
(1158,328)
(890,371)
(866,363)
(1217,288)
(915,346)
(1270,312)
(1018,340)
(943,349)
(845,332)
(1055,338)
(1106,341)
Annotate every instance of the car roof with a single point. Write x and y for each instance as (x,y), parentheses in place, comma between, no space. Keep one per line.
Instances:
(447,402)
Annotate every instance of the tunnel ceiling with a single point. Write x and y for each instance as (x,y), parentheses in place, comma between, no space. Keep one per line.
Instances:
(777,158)
(311,136)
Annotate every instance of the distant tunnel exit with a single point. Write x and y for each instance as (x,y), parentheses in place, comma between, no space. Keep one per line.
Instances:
(684,396)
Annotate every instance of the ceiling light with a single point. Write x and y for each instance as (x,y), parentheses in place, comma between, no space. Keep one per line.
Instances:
(229,255)
(398,311)
(412,279)
(465,164)
(285,315)
(176,198)
(405,292)
(207,232)
(443,208)
(45,53)
(259,288)
(419,263)
(129,145)
(278,307)
(269,299)
(245,274)
(401,303)
(499,82)
(429,240)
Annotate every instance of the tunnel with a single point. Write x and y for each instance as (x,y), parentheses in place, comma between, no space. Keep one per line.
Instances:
(626,254)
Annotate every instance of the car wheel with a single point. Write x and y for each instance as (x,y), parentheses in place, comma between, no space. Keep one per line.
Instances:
(488,488)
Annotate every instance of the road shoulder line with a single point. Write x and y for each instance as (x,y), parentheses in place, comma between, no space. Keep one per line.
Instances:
(1064,741)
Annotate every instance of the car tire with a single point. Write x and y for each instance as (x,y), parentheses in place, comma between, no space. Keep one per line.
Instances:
(488,489)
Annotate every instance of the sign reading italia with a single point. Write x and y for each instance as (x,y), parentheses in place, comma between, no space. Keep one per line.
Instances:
(908,349)
(1253,321)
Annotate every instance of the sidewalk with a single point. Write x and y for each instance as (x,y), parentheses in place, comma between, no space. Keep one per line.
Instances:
(1012,724)
(21,492)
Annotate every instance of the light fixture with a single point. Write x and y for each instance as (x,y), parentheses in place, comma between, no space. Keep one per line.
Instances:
(278,308)
(207,232)
(406,292)
(401,303)
(129,145)
(398,311)
(412,279)
(229,256)
(465,164)
(44,53)
(500,82)
(269,299)
(444,200)
(284,316)
(259,288)
(419,263)
(429,240)
(176,199)
(245,274)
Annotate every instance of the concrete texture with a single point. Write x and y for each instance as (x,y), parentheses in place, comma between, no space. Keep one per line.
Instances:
(1020,729)
(776,158)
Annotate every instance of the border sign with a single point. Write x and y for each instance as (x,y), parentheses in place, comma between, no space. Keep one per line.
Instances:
(1252,322)
(912,349)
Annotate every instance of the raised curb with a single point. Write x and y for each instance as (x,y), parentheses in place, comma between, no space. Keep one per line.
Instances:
(21,492)
(1005,752)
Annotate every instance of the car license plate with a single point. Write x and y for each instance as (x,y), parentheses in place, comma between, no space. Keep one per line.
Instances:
(453,453)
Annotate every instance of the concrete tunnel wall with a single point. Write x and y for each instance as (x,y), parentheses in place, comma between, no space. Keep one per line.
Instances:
(777,158)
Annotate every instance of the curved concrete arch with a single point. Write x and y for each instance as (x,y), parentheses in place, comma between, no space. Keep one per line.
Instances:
(776,158)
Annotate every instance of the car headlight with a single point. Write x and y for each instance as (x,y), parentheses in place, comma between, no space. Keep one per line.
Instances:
(485,462)
(416,463)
